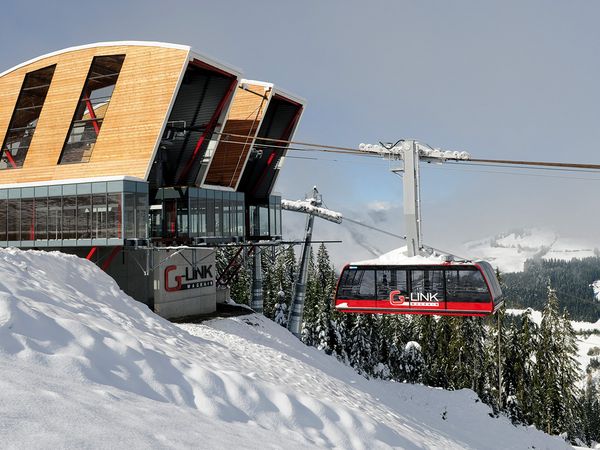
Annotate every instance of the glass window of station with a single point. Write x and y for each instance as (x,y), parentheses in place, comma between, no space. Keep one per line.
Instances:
(265,219)
(189,213)
(81,214)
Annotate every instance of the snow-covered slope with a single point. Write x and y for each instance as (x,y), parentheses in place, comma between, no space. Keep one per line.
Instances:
(83,365)
(596,288)
(508,251)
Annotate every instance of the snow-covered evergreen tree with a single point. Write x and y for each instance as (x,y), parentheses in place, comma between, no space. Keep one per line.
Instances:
(569,372)
(325,333)
(556,370)
(270,284)
(426,329)
(240,283)
(343,326)
(519,369)
(361,346)
(440,369)
(591,411)
(281,309)
(413,362)
(468,354)
(311,301)
(324,327)
(495,360)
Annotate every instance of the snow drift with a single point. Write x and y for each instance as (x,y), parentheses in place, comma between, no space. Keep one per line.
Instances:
(400,256)
(83,365)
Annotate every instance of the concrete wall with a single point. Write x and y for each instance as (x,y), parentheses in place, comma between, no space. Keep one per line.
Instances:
(185,282)
(177,284)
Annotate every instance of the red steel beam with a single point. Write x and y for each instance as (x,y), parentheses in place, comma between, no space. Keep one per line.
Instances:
(284,136)
(10,158)
(90,109)
(231,263)
(109,260)
(91,253)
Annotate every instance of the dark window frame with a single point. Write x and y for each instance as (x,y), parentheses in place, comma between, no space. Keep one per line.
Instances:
(347,281)
(25,90)
(68,153)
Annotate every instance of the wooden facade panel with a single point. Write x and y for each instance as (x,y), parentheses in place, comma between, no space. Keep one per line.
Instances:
(244,118)
(132,124)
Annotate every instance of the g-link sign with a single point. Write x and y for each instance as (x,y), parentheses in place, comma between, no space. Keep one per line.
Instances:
(416,299)
(179,278)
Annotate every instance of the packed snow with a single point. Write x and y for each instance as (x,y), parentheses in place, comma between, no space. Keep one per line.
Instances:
(84,365)
(400,256)
(509,251)
(425,151)
(306,206)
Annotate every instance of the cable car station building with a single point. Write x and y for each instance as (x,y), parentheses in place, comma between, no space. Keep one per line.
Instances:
(141,157)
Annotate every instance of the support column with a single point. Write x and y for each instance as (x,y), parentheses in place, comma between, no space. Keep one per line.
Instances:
(412,200)
(297,307)
(257,288)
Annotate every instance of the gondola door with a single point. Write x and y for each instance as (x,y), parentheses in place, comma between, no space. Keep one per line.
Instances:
(427,291)
(392,288)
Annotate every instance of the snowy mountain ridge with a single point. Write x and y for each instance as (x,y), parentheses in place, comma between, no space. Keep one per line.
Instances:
(84,365)
(509,251)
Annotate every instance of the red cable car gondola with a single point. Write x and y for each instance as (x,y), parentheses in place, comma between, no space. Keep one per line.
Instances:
(424,287)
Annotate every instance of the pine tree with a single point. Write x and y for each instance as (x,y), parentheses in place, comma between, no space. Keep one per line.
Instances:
(360,348)
(342,332)
(468,354)
(519,369)
(569,373)
(325,286)
(377,365)
(591,411)
(311,301)
(281,313)
(240,284)
(413,362)
(285,272)
(384,336)
(555,397)
(440,370)
(270,284)
(399,333)
(325,273)
(495,359)
(324,329)
(426,330)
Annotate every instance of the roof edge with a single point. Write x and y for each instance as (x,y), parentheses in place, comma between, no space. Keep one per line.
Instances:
(288,95)
(258,83)
(277,90)
(98,44)
(216,63)
(27,184)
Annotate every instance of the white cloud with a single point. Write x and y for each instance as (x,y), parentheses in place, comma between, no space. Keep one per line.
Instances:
(380,206)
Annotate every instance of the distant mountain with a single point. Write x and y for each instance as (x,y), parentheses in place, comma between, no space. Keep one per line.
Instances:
(509,251)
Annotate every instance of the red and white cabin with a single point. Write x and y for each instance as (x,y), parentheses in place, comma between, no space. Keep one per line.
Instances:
(448,289)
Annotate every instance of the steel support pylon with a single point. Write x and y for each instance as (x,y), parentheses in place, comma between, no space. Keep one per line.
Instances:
(297,307)
(256,303)
(412,198)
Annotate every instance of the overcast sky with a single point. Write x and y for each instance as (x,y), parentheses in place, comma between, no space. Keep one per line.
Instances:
(503,80)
